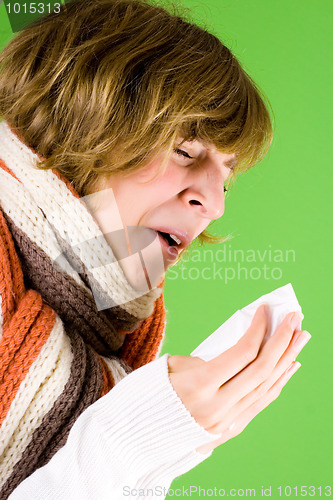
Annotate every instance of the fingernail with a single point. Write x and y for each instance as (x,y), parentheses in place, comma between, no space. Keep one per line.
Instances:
(301,340)
(295,320)
(293,368)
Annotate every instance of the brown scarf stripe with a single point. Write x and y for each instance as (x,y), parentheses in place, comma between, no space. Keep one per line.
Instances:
(91,391)
(83,388)
(70,301)
(117,315)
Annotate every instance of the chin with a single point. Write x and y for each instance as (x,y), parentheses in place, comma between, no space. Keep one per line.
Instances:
(140,279)
(143,256)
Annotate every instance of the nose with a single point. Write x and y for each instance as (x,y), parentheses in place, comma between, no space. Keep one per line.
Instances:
(205,194)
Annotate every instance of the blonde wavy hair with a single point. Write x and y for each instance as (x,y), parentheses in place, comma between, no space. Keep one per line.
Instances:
(106,85)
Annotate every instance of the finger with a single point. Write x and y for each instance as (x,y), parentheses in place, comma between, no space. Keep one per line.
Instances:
(222,368)
(279,341)
(274,392)
(226,410)
(238,419)
(299,340)
(262,367)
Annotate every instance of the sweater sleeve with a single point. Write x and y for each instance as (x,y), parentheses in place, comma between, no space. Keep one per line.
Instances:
(145,444)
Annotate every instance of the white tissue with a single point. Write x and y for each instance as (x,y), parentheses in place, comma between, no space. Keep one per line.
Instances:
(281,301)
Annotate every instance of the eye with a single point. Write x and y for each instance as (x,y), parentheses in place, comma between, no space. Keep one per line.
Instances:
(183,153)
(225,189)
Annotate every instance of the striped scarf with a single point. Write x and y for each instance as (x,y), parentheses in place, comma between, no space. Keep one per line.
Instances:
(59,352)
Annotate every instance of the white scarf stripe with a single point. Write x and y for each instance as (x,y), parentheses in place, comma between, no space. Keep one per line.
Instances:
(16,202)
(36,396)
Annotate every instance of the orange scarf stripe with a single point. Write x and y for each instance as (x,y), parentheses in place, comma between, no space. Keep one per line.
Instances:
(12,282)
(6,169)
(21,344)
(108,380)
(141,346)
(21,321)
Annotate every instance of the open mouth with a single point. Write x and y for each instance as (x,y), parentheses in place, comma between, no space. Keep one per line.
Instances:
(171,239)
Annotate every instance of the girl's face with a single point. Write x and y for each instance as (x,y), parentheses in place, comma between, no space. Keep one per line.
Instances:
(161,215)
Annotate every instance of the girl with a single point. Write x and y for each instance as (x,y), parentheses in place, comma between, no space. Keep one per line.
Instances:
(122,126)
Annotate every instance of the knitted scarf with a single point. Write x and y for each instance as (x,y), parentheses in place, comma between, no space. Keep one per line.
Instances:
(59,352)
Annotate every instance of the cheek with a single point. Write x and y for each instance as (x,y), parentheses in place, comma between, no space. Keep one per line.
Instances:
(141,192)
(163,187)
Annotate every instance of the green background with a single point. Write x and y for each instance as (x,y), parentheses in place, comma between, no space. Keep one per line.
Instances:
(283,204)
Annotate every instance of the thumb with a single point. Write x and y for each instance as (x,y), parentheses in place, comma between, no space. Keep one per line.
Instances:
(178,363)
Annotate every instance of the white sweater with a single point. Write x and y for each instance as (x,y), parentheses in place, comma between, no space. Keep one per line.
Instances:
(150,440)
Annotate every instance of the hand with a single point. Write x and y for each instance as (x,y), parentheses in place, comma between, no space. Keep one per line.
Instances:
(226,393)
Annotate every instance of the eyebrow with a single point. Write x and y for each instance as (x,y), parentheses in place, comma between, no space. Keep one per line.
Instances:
(232,163)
